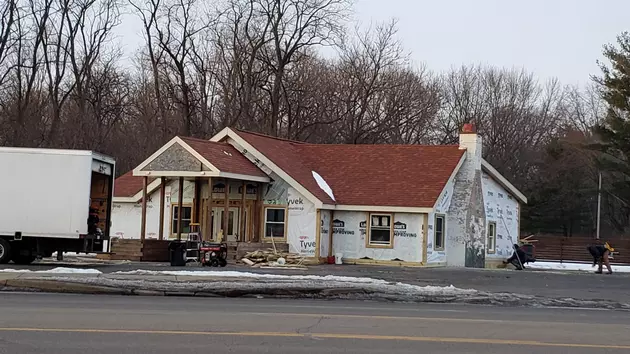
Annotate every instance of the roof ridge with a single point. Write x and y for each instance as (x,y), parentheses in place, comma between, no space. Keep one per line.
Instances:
(201,140)
(269,136)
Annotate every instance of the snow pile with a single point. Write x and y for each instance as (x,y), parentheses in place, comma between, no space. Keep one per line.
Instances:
(58,270)
(323,185)
(235,274)
(582,267)
(315,281)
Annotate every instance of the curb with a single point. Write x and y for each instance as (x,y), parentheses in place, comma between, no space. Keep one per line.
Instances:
(311,292)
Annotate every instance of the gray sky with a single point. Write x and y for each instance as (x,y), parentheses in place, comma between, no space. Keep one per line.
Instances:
(552,38)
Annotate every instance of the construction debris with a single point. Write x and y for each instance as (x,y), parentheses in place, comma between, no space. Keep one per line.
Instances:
(271,257)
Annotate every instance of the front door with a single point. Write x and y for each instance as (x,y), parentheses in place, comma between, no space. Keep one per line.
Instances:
(232,232)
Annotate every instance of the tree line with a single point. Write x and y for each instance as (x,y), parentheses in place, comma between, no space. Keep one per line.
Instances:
(258,65)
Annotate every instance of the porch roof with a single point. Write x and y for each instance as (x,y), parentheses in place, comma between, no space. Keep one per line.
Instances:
(191,157)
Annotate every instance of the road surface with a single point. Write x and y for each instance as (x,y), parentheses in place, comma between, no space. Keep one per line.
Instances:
(68,324)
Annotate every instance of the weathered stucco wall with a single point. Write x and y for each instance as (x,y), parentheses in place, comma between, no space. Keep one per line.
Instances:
(466,222)
(503,209)
(350,237)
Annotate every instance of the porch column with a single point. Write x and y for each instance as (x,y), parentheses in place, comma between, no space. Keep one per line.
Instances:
(197,202)
(162,199)
(258,215)
(180,199)
(243,221)
(226,210)
(143,227)
(209,225)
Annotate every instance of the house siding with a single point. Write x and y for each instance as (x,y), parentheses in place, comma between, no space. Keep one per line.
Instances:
(350,237)
(503,209)
(441,207)
(302,224)
(126,217)
(324,233)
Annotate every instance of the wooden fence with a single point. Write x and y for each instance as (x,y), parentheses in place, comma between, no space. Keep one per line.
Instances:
(573,249)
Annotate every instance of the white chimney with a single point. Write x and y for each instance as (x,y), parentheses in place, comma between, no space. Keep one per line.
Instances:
(472,143)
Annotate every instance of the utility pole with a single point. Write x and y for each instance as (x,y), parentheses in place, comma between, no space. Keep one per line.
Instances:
(599,203)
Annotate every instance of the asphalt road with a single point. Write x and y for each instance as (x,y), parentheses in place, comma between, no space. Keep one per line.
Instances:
(53,323)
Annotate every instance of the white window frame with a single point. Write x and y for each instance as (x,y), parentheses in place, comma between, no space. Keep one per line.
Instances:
(284,223)
(174,220)
(435,232)
(390,229)
(491,238)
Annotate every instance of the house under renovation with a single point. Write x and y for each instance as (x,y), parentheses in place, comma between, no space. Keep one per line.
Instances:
(406,204)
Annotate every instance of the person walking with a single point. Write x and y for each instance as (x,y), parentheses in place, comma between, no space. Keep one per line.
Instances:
(600,255)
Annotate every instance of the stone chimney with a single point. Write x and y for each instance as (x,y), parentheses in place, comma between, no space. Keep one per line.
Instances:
(466,217)
(472,143)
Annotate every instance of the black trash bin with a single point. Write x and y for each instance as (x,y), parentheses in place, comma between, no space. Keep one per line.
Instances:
(177,253)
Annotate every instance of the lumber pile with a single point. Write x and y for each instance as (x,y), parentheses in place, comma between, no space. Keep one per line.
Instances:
(274,258)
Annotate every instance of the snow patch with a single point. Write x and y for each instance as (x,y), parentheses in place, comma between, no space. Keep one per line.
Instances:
(323,185)
(58,270)
(235,274)
(582,267)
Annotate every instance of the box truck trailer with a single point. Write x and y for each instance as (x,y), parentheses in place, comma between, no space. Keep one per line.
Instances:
(54,201)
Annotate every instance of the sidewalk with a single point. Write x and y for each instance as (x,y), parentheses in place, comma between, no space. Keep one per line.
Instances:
(495,287)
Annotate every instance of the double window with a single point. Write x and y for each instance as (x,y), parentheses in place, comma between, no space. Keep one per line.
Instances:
(186,219)
(381,230)
(274,222)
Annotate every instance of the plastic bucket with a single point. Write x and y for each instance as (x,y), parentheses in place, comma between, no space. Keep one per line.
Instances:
(338,258)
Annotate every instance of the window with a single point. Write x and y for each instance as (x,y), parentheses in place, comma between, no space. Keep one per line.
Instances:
(274,222)
(380,230)
(491,244)
(440,227)
(186,219)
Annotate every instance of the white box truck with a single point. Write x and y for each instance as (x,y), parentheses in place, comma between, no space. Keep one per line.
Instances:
(53,201)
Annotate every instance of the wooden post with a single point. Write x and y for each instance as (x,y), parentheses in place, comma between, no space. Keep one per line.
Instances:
(226,209)
(209,211)
(143,227)
(180,200)
(243,221)
(162,199)
(330,245)
(257,214)
(196,216)
(318,236)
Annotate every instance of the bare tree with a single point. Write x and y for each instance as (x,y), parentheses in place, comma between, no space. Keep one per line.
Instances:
(294,26)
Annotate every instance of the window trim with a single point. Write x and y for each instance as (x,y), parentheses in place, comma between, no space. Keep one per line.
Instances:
(173,206)
(368,226)
(435,218)
(492,250)
(264,221)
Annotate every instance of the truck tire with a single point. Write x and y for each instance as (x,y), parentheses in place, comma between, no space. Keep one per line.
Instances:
(5,251)
(23,260)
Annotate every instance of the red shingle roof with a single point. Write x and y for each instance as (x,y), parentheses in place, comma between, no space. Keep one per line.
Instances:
(376,175)
(127,185)
(224,157)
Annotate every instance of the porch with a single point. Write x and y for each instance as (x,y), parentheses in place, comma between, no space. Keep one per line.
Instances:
(205,187)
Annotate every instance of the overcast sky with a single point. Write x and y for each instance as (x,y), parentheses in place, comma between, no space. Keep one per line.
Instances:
(551,38)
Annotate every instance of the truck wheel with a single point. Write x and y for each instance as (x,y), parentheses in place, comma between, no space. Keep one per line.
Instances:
(5,251)
(23,260)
